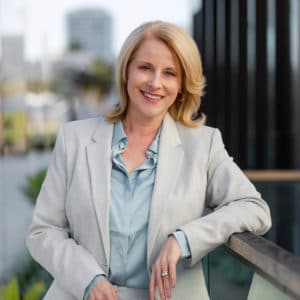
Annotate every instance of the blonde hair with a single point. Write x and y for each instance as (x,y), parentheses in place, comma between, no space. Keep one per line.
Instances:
(187,104)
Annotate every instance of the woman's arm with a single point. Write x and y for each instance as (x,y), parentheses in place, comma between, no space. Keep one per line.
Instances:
(49,240)
(236,204)
(237,207)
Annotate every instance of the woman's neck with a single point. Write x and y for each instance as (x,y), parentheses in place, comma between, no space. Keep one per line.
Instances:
(142,128)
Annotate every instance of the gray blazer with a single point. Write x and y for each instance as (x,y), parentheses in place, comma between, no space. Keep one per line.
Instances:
(69,234)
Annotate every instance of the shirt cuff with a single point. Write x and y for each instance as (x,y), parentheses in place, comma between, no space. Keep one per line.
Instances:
(91,285)
(183,243)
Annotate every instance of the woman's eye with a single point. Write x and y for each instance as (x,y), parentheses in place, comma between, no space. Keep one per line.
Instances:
(170,73)
(144,67)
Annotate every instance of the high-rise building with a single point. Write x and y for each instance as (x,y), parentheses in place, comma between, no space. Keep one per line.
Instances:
(90,30)
(12,62)
(250,53)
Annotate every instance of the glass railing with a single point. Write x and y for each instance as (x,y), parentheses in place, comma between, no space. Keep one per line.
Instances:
(281,189)
(252,268)
(249,267)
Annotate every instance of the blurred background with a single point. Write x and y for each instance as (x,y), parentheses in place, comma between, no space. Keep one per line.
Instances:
(57,62)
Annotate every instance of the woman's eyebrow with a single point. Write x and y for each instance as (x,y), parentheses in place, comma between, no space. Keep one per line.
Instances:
(170,67)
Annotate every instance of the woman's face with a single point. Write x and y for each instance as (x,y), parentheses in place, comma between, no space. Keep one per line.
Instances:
(154,80)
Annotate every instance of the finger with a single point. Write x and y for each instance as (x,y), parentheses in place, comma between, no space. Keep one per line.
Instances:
(159,283)
(166,284)
(115,294)
(152,286)
(172,274)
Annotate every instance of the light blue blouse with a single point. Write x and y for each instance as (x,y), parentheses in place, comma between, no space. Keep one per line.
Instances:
(131,195)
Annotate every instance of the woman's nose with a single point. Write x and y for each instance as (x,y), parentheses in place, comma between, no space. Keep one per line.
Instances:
(155,81)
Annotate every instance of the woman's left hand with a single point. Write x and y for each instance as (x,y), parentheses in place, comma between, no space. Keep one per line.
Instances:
(163,272)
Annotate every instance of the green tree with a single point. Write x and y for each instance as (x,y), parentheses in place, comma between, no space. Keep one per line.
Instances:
(99,77)
(11,291)
(74,46)
(33,185)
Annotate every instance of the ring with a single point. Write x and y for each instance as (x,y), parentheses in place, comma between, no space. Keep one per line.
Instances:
(164,273)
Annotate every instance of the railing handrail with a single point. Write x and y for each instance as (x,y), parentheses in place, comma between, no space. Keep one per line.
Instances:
(274,263)
(273,175)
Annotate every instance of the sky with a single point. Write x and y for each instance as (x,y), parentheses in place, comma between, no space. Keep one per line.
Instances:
(43,22)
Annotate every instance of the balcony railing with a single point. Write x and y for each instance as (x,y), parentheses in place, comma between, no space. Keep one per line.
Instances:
(273,175)
(276,270)
(250,267)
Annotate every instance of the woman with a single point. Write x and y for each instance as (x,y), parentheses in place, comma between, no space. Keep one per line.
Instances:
(121,212)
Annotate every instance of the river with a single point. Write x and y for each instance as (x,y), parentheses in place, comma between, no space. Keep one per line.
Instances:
(15,208)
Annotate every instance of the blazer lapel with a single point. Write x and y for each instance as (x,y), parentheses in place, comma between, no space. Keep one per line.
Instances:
(169,159)
(99,161)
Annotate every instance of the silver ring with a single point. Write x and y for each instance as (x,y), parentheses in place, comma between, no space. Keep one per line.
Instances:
(164,273)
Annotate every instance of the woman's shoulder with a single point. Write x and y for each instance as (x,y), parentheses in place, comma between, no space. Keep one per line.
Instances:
(199,133)
(82,125)
(203,138)
(82,130)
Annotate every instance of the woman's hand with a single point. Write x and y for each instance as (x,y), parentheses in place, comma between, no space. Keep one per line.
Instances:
(163,272)
(103,290)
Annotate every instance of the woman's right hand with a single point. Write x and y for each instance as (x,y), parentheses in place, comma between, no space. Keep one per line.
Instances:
(103,290)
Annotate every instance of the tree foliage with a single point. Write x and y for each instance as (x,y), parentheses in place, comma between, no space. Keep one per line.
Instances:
(33,185)
(11,291)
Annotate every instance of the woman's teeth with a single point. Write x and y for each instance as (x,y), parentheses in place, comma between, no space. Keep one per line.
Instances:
(155,97)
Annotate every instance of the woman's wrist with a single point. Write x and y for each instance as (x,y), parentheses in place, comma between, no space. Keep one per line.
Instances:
(96,279)
(183,243)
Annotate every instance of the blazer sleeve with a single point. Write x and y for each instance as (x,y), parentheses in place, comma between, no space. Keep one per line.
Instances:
(49,240)
(236,204)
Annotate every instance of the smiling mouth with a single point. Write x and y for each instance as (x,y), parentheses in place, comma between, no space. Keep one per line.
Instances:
(151,97)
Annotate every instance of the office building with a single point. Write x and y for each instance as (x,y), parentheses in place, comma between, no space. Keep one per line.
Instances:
(250,52)
(12,61)
(90,30)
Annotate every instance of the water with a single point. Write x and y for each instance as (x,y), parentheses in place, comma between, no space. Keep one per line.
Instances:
(15,208)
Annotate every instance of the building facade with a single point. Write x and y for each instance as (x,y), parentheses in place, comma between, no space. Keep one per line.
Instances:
(251,58)
(90,30)
(12,61)
(250,52)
